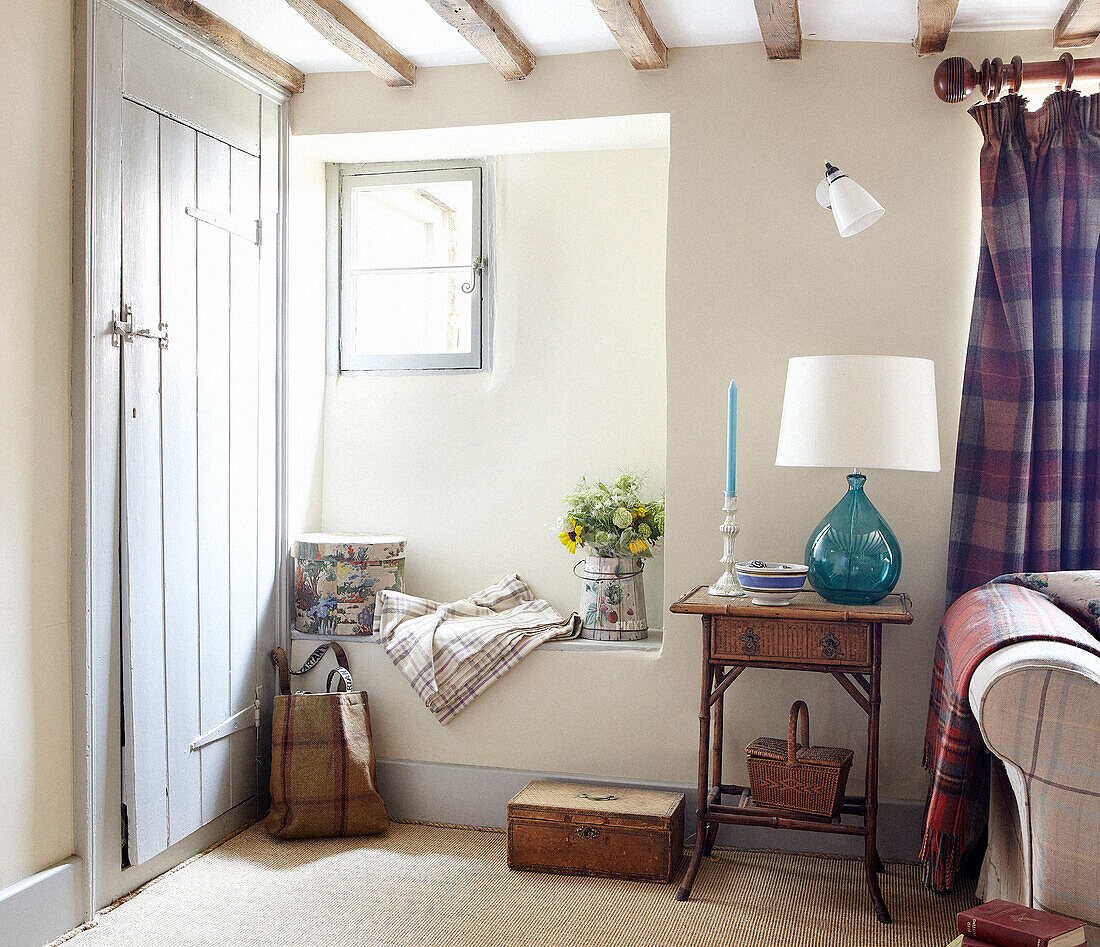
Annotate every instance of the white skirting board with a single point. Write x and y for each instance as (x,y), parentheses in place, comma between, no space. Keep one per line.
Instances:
(42,907)
(478,795)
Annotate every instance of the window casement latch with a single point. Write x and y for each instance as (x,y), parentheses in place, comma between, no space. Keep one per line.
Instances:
(123,329)
(476,269)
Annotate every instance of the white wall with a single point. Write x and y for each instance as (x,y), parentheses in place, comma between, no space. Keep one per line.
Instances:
(305,353)
(755,274)
(36,828)
(472,467)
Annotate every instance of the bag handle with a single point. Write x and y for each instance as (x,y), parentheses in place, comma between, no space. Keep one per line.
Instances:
(279,659)
(344,685)
(798,710)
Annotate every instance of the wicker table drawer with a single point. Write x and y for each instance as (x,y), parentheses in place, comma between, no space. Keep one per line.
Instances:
(796,642)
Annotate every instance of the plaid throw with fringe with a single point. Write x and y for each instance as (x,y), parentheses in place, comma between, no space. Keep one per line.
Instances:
(1012,608)
(452,652)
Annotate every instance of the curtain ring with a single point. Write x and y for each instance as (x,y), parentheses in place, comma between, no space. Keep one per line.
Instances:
(1066,59)
(998,77)
(1016,74)
(985,73)
(992,78)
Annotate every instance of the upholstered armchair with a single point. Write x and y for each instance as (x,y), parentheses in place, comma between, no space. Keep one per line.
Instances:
(1038,706)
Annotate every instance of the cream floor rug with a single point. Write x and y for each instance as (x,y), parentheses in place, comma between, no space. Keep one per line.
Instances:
(444,887)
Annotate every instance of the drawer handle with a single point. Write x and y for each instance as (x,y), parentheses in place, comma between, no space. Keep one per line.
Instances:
(750,642)
(830,646)
(587,831)
(584,795)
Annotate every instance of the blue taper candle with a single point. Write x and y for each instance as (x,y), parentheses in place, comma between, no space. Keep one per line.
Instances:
(731,444)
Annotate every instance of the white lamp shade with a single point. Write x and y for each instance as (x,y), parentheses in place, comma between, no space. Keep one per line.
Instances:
(853,208)
(867,411)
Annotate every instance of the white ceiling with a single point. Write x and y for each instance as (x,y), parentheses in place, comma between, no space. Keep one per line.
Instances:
(574,26)
(432,144)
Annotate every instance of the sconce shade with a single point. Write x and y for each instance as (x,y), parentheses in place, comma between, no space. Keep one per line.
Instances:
(863,411)
(853,208)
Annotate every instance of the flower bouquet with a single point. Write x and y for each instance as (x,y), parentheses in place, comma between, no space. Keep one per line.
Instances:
(612,521)
(617,530)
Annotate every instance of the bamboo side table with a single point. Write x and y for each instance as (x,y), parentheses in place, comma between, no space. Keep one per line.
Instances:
(810,634)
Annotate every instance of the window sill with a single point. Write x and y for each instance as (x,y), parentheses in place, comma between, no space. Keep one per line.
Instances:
(646,645)
(650,645)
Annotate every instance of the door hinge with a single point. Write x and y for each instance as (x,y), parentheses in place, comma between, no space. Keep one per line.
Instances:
(247,229)
(244,719)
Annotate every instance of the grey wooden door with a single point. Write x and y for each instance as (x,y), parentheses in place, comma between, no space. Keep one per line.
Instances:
(198,476)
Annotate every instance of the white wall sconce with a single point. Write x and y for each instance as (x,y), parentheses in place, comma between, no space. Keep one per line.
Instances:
(853,208)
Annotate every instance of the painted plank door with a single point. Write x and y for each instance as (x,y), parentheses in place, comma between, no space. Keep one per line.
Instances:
(198,477)
(144,757)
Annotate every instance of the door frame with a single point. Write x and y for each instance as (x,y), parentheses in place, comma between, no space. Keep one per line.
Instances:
(95,607)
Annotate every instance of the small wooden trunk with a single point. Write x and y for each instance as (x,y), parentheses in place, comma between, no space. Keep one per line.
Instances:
(611,832)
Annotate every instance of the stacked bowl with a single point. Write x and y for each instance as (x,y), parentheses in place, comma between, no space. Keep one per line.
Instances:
(771,583)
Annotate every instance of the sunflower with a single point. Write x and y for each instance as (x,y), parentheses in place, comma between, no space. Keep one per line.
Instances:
(571,538)
(639,510)
(638,545)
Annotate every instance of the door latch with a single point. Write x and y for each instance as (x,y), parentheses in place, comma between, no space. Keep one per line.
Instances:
(161,334)
(124,329)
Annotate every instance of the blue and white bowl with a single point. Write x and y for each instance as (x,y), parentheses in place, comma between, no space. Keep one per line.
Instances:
(771,583)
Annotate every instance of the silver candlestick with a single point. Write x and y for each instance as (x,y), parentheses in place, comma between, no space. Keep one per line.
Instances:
(728,584)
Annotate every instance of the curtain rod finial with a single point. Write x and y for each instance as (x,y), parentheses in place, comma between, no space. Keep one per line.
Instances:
(954,79)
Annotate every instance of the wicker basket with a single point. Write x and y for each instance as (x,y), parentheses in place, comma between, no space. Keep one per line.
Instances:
(798,777)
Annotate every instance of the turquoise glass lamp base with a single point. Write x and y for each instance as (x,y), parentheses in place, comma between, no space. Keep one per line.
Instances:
(853,556)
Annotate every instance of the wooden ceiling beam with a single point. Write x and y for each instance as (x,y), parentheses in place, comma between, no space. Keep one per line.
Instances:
(934,21)
(780,28)
(1079,24)
(633,31)
(481,26)
(336,23)
(232,41)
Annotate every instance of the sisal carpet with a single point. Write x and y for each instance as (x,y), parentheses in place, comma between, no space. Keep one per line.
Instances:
(445,887)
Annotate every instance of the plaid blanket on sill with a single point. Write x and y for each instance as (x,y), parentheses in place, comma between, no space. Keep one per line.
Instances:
(451,653)
(1009,609)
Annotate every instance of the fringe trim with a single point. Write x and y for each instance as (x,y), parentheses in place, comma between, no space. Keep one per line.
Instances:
(941,853)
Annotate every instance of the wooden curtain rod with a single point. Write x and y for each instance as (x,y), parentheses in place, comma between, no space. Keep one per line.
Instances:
(956,78)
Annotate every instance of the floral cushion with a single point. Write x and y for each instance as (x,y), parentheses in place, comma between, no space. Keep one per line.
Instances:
(1076,593)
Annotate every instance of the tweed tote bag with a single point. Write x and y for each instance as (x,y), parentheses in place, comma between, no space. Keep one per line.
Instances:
(323,779)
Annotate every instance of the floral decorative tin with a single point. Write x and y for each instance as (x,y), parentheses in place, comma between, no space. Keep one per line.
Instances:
(337,577)
(613,603)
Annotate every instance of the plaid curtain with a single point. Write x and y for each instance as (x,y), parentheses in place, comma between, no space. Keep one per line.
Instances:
(1027,472)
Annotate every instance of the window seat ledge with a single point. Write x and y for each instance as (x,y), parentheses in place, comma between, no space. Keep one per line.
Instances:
(652,644)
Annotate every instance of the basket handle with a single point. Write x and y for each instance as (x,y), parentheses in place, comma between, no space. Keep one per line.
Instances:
(798,710)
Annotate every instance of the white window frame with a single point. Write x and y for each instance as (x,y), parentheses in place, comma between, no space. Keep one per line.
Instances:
(340,179)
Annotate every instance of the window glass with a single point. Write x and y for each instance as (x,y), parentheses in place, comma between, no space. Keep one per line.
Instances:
(411,293)
(410,313)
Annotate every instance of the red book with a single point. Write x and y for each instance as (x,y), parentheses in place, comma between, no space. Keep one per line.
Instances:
(1005,924)
(963,941)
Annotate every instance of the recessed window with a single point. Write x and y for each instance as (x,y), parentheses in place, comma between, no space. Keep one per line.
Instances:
(412,268)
